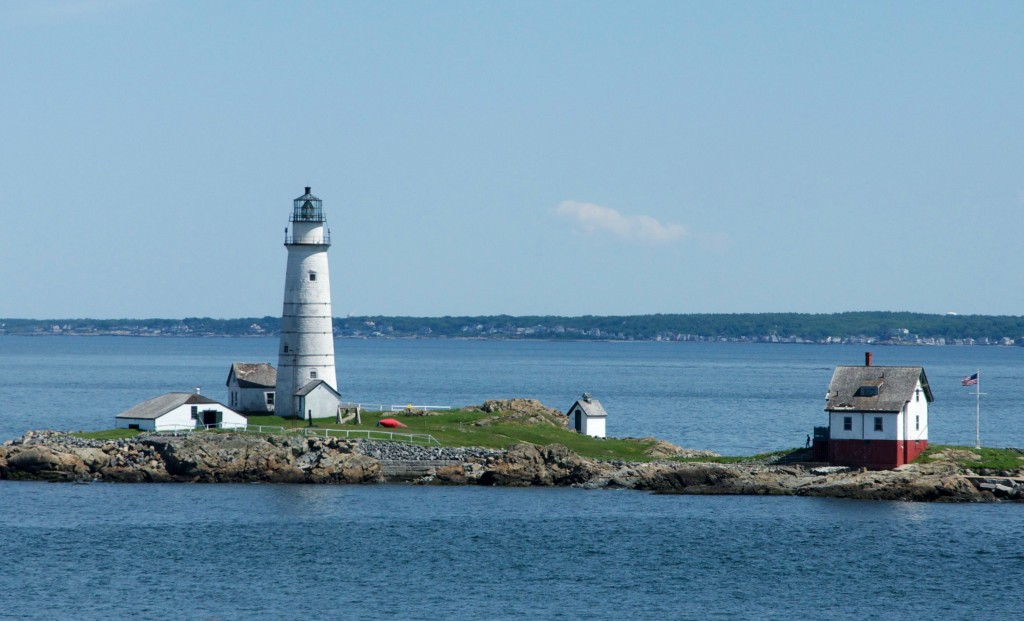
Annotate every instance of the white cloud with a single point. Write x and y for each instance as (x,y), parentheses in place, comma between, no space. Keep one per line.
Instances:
(592,218)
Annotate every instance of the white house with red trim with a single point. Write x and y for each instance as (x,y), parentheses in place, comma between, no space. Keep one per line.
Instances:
(878,416)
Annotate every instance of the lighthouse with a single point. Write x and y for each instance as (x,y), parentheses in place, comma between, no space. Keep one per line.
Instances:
(306,382)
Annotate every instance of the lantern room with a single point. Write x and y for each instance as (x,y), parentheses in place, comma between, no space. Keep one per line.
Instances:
(307,208)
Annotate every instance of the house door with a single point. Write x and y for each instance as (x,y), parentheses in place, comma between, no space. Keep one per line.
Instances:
(210,417)
(579,420)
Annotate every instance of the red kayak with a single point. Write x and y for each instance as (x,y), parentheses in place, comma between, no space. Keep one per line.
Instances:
(390,422)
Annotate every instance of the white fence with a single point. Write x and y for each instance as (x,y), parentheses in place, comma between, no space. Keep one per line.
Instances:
(380,407)
(370,434)
(373,434)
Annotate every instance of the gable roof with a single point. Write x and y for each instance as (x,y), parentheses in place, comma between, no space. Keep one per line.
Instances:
(253,374)
(589,405)
(313,385)
(895,386)
(158,406)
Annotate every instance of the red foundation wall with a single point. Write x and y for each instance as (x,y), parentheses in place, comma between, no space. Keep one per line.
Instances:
(873,454)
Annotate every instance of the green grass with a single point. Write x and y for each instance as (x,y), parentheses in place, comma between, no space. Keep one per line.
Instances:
(739,459)
(457,428)
(988,458)
(107,434)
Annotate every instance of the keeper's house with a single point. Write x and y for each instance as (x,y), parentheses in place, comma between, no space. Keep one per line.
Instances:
(251,387)
(878,416)
(179,411)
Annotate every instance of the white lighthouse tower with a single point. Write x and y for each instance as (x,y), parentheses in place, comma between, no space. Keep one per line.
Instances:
(306,351)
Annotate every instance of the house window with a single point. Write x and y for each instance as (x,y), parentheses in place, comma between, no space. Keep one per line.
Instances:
(847,423)
(917,422)
(195,412)
(878,423)
(917,395)
(312,374)
(270,398)
(312,277)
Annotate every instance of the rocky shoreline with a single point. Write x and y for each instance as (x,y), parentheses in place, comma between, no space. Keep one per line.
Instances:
(244,458)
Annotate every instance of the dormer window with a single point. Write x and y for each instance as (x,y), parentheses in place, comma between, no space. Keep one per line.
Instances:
(866,391)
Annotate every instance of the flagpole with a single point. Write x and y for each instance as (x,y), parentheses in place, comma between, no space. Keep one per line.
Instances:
(977,412)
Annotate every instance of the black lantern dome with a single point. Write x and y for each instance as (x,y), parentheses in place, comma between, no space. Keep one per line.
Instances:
(307,208)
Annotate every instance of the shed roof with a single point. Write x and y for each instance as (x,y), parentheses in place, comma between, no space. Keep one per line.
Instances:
(313,385)
(253,374)
(589,405)
(158,406)
(895,386)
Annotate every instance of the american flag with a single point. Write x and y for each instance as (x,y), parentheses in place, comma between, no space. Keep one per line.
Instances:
(969,381)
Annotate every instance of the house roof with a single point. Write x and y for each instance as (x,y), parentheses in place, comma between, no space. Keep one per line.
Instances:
(253,374)
(895,386)
(313,385)
(158,406)
(589,405)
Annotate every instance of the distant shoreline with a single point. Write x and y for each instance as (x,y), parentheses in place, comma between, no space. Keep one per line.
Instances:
(860,328)
(724,341)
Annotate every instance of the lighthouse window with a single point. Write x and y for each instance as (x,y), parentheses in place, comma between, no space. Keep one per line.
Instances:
(312,375)
(312,276)
(286,348)
(878,423)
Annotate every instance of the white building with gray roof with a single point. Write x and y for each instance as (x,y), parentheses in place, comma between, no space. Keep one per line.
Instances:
(251,387)
(587,416)
(878,416)
(179,411)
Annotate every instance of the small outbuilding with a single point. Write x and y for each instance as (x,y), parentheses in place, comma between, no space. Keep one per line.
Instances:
(587,416)
(317,400)
(251,387)
(878,416)
(179,411)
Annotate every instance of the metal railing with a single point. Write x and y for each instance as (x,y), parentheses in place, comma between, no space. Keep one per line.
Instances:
(373,434)
(424,439)
(380,407)
(325,240)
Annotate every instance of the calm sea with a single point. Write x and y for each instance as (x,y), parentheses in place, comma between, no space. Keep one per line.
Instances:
(174,552)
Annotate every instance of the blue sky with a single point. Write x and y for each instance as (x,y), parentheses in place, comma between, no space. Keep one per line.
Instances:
(522,157)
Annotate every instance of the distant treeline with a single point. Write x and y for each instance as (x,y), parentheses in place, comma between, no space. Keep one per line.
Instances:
(855,326)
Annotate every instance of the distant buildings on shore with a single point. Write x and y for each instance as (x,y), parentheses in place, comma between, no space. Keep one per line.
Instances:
(378,329)
(497,328)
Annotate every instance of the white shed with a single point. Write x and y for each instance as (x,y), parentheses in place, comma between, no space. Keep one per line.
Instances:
(317,399)
(587,416)
(251,387)
(179,411)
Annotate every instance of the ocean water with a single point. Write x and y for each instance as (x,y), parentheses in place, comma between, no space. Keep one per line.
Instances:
(155,552)
(224,552)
